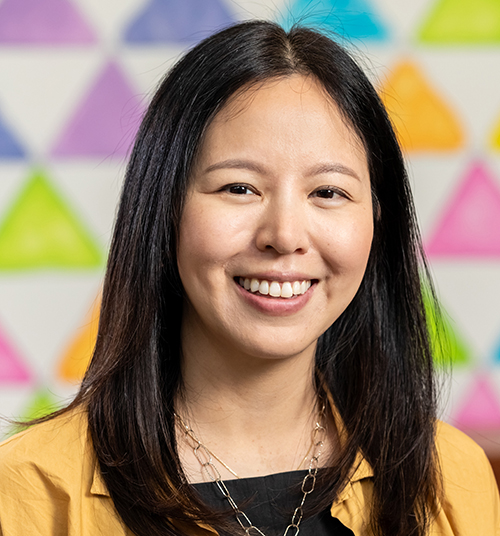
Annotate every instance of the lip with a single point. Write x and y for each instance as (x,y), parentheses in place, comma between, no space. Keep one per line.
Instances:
(277,306)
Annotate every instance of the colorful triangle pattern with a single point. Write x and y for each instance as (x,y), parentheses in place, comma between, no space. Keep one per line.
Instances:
(49,22)
(354,19)
(481,407)
(77,356)
(470,224)
(422,119)
(41,403)
(462,22)
(9,145)
(12,368)
(170,21)
(495,138)
(448,348)
(106,121)
(496,354)
(40,231)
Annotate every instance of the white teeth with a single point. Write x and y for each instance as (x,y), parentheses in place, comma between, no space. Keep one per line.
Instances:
(264,287)
(286,290)
(275,289)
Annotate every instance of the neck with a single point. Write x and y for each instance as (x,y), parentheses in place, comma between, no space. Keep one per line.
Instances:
(255,413)
(244,393)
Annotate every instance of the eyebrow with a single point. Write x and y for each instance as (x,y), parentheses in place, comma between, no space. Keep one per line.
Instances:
(237,164)
(253,166)
(333,168)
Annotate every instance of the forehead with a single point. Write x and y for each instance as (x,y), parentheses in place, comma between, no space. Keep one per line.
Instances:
(306,89)
(281,115)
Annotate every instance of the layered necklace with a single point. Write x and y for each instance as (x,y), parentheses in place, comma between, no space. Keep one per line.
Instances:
(205,457)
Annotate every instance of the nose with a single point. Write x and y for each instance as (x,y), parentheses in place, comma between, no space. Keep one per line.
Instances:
(283,227)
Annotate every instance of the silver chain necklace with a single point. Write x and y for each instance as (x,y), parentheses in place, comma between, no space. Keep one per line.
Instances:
(205,457)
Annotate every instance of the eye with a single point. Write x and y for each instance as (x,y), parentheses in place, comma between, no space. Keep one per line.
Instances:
(238,189)
(328,193)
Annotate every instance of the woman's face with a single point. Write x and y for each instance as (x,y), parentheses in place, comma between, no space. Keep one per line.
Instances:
(280,202)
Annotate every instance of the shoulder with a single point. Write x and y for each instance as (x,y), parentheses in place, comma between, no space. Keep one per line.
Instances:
(47,482)
(470,503)
(58,447)
(463,462)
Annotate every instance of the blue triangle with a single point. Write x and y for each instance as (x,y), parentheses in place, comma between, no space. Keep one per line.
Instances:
(186,22)
(496,355)
(9,146)
(351,19)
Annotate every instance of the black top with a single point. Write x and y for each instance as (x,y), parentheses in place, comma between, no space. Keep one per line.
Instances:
(269,502)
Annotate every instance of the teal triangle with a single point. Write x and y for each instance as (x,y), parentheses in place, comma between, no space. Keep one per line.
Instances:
(496,354)
(350,19)
(9,146)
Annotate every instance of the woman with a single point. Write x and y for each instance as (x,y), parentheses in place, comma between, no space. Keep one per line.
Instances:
(262,325)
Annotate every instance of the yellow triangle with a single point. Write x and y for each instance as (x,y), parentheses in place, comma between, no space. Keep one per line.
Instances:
(423,121)
(78,354)
(495,139)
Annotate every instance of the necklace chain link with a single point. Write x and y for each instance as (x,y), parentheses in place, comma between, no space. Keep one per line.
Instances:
(205,458)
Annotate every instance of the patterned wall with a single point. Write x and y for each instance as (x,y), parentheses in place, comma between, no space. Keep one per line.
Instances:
(75,77)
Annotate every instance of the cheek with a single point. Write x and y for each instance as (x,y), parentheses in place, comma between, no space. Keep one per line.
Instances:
(359,244)
(349,247)
(207,242)
(194,249)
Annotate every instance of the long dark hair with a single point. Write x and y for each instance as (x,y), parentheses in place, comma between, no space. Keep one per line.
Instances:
(375,359)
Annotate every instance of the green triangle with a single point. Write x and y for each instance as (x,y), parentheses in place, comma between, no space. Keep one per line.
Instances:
(42,403)
(40,231)
(462,22)
(447,347)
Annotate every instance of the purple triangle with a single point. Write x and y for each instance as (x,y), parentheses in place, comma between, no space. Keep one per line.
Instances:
(186,21)
(51,22)
(106,121)
(12,370)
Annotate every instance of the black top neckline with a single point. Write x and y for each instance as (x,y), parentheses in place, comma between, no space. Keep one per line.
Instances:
(269,502)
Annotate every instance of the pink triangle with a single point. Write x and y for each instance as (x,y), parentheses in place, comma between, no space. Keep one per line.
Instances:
(481,409)
(106,121)
(12,369)
(470,225)
(51,22)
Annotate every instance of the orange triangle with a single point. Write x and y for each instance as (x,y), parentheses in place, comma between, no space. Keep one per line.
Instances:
(78,354)
(423,121)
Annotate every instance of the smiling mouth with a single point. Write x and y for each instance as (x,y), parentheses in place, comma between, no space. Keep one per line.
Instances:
(274,289)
